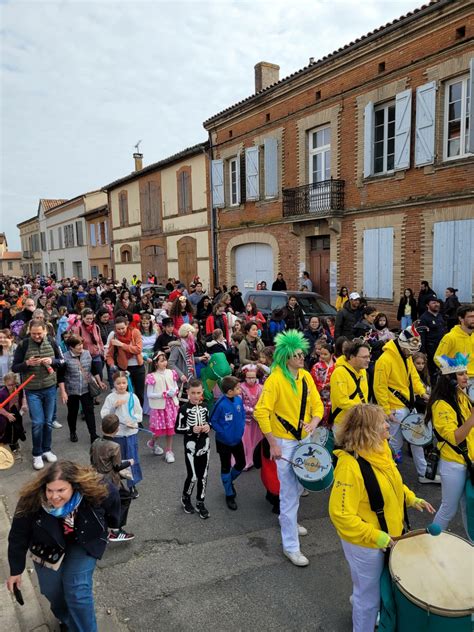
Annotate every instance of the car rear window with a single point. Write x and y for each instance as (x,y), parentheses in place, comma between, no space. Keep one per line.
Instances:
(313,305)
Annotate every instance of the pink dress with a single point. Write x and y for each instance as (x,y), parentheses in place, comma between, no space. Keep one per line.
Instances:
(162,420)
(252,432)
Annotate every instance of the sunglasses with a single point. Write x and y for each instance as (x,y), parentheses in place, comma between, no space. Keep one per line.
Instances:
(298,355)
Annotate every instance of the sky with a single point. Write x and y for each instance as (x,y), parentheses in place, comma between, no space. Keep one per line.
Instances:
(81,82)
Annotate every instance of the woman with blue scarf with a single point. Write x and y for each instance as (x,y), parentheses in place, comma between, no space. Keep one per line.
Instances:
(62,518)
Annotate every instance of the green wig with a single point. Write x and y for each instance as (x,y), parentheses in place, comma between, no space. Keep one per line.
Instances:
(287,343)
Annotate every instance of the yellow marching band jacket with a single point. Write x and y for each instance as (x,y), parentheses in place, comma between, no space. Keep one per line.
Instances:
(446,423)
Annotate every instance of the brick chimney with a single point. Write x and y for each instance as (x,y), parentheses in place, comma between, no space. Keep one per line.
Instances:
(138,161)
(266,74)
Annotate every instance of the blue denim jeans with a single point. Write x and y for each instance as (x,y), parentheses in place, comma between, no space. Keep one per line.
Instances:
(41,404)
(405,322)
(69,590)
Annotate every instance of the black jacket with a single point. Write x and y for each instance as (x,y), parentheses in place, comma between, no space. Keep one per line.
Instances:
(294,318)
(279,286)
(346,318)
(435,330)
(237,303)
(423,298)
(90,526)
(401,308)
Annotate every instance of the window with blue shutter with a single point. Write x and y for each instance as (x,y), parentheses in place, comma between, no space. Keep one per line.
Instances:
(271,167)
(217,174)
(453,257)
(378,263)
(402,129)
(425,124)
(252,185)
(368,139)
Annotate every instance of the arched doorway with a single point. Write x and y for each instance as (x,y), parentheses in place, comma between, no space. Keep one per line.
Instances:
(154,260)
(187,259)
(253,263)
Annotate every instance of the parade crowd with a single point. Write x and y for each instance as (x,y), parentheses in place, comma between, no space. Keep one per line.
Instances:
(207,366)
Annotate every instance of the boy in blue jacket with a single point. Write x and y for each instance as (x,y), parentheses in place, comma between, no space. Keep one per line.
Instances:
(228,421)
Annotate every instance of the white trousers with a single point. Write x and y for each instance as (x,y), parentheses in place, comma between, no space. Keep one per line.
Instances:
(290,492)
(453,481)
(396,442)
(366,568)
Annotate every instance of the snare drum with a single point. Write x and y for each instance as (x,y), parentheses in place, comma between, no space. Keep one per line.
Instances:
(324,436)
(433,585)
(312,466)
(470,389)
(415,430)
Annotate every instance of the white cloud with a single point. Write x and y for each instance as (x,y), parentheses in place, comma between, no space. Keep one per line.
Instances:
(81,82)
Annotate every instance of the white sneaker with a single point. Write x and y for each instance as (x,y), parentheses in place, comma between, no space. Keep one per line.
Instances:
(50,457)
(157,450)
(56,425)
(424,480)
(296,558)
(38,463)
(302,530)
(169,457)
(304,493)
(150,444)
(351,600)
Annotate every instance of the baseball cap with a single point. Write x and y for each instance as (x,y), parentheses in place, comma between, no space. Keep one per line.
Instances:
(354,296)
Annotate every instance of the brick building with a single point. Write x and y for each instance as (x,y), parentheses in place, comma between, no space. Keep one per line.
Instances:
(358,167)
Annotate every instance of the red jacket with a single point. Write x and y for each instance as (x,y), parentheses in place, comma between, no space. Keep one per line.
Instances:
(211,325)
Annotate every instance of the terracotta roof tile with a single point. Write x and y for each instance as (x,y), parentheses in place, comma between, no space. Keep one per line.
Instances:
(11,255)
(49,204)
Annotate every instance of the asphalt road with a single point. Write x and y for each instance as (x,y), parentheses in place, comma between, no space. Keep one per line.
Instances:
(227,572)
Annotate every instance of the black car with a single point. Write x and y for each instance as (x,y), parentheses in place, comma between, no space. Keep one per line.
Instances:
(311,303)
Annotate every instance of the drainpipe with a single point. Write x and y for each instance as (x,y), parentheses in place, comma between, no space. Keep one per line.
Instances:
(214,252)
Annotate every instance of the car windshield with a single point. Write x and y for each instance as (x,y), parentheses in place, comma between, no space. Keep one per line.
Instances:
(266,302)
(313,305)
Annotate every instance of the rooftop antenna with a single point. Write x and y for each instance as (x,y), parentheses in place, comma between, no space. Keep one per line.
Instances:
(137,146)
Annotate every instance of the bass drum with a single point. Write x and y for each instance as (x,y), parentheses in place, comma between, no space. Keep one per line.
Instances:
(433,583)
(324,436)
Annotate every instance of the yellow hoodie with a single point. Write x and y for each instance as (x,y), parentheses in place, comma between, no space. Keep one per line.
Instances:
(342,385)
(278,398)
(445,422)
(390,372)
(457,341)
(349,506)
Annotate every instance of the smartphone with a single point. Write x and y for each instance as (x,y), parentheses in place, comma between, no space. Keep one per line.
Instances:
(18,595)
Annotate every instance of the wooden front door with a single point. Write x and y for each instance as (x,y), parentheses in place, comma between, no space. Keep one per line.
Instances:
(319,257)
(154,261)
(187,259)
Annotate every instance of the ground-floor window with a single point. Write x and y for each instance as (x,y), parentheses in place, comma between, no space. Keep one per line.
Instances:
(453,257)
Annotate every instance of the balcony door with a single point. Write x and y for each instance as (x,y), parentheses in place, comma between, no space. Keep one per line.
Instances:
(320,169)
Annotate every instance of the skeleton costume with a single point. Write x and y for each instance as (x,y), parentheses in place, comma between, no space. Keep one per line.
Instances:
(196,448)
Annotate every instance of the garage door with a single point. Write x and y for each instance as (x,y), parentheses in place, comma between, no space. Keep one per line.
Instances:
(253,263)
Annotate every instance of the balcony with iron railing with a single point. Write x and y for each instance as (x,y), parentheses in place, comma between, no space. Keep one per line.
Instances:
(318,199)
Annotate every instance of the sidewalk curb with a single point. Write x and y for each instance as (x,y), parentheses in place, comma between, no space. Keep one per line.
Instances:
(16,618)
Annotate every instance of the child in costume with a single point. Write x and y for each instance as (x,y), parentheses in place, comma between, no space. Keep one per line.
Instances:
(126,405)
(192,422)
(228,421)
(251,391)
(162,391)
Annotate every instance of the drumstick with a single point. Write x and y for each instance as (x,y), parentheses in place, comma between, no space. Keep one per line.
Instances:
(291,462)
(431,529)
(407,427)
(17,390)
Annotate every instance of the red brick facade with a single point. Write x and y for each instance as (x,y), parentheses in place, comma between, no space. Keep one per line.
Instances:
(333,92)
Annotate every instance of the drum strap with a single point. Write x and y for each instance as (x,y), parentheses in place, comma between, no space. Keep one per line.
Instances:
(296,432)
(410,404)
(375,494)
(358,391)
(461,449)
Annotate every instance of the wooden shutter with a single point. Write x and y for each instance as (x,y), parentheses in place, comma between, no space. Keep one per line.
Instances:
(154,200)
(453,257)
(371,258)
(425,124)
(145,205)
(470,146)
(271,167)
(123,208)
(402,129)
(252,173)
(368,139)
(106,230)
(237,178)
(217,173)
(92,235)
(378,263)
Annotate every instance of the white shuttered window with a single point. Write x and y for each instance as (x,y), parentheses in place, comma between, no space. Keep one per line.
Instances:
(425,124)
(217,172)
(271,167)
(453,257)
(252,184)
(378,263)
